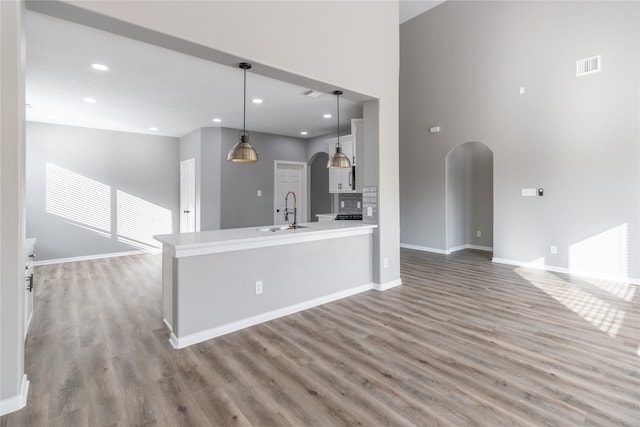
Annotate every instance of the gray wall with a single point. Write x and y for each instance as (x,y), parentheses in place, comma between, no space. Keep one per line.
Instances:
(462,64)
(218,289)
(469,196)
(92,192)
(211,185)
(240,206)
(319,197)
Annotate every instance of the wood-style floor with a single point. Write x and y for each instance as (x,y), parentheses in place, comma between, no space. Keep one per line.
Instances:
(463,342)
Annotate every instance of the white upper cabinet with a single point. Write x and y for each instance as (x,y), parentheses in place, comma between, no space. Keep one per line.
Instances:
(344,180)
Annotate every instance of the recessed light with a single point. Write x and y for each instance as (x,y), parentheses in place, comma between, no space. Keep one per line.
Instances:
(256,101)
(153,128)
(304,132)
(327,116)
(99,67)
(217,120)
(90,100)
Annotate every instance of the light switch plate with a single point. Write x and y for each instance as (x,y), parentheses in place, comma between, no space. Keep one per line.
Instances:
(369,211)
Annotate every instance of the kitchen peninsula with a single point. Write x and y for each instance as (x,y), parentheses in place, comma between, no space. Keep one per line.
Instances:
(219,281)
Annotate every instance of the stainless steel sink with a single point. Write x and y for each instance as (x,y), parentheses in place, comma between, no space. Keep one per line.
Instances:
(275,228)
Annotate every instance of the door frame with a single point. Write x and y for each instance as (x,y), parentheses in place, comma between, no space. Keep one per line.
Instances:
(301,198)
(183,224)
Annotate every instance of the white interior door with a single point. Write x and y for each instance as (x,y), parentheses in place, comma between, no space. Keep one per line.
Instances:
(188,196)
(290,176)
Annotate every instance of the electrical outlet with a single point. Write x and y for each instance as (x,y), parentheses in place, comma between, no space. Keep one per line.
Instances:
(554,249)
(385,263)
(342,204)
(478,233)
(359,205)
(259,287)
(259,193)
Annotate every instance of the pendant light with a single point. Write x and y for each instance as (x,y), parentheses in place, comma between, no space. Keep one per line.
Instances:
(338,160)
(243,151)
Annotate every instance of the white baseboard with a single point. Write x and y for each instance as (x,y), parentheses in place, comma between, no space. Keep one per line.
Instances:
(423,248)
(476,247)
(167,324)
(18,402)
(26,329)
(388,285)
(91,257)
(569,271)
(446,252)
(208,334)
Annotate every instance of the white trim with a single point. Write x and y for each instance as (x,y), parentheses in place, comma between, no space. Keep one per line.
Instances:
(446,252)
(388,285)
(267,239)
(572,272)
(208,334)
(167,324)
(467,246)
(26,329)
(423,248)
(18,402)
(174,341)
(92,257)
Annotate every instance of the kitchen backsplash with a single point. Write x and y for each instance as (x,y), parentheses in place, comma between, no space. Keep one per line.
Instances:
(367,199)
(370,201)
(351,201)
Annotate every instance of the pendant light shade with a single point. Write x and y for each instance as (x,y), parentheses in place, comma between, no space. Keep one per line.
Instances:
(338,159)
(243,151)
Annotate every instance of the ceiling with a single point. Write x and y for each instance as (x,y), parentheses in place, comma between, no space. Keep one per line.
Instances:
(152,90)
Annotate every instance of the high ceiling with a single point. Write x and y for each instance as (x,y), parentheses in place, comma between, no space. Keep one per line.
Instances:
(153,90)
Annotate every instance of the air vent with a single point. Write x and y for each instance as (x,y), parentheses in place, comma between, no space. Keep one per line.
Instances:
(313,93)
(587,66)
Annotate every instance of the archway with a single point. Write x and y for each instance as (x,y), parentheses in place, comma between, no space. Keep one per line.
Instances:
(469,197)
(319,197)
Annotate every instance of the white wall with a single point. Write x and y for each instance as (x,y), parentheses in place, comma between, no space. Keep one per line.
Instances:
(462,65)
(12,224)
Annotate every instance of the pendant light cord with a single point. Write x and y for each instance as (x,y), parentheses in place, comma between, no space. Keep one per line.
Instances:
(338,116)
(244,105)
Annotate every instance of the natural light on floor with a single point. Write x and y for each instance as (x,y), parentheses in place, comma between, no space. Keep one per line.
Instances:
(87,204)
(602,255)
(596,311)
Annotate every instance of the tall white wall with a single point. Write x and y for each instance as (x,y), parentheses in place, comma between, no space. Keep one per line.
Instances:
(12,223)
(462,67)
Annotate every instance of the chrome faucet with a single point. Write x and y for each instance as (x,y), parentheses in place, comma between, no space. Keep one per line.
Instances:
(287,211)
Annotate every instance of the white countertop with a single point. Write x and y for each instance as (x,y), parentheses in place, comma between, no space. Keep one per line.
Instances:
(234,239)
